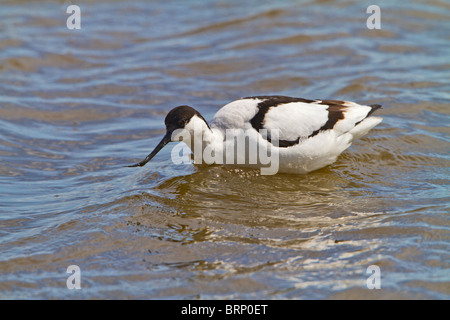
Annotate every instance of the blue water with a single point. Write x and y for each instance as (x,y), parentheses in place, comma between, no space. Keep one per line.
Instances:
(78,105)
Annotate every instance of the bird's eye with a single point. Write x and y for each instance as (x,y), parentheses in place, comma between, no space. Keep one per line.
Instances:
(182,122)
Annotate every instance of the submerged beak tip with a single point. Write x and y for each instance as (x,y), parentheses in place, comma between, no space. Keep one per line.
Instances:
(132,166)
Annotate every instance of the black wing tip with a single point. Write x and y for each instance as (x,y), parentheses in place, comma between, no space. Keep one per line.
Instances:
(374,107)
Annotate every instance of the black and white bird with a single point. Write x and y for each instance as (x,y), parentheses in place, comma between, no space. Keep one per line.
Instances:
(310,134)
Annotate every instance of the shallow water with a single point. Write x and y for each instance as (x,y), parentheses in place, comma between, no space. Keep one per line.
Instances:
(77,105)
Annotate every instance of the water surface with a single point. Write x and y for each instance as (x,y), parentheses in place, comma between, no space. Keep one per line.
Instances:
(78,105)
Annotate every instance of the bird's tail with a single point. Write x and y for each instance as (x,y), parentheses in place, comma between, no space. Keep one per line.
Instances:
(365,126)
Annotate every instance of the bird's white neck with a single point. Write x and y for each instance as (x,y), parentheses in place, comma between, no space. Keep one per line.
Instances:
(197,135)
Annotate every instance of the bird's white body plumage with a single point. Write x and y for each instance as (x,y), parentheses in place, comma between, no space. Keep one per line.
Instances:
(312,133)
(273,133)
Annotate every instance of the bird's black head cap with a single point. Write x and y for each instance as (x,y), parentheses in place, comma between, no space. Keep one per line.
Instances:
(178,117)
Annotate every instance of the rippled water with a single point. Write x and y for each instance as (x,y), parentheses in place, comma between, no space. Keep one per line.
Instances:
(77,105)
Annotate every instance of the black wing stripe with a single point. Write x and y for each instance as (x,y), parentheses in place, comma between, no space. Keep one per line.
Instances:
(336,112)
(268,102)
(263,107)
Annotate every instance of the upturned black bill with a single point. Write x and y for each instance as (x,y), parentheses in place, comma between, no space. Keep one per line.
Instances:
(161,145)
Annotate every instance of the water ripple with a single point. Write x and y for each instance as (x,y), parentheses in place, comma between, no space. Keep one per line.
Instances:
(78,105)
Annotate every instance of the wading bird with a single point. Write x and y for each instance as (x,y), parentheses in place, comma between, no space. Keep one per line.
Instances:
(302,135)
